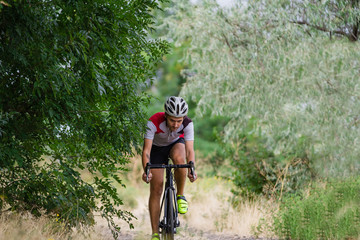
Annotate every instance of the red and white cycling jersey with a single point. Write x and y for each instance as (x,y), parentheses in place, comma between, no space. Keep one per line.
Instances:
(162,136)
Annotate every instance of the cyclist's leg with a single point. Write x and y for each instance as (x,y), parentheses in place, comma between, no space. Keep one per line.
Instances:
(177,154)
(158,155)
(156,188)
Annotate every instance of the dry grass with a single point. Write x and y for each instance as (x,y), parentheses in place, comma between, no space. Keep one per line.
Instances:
(15,227)
(210,215)
(210,208)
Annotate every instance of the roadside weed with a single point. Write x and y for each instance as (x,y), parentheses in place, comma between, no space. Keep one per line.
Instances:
(325,212)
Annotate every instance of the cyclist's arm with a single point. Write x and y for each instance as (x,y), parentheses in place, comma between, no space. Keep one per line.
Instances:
(189,140)
(190,156)
(146,151)
(190,153)
(146,159)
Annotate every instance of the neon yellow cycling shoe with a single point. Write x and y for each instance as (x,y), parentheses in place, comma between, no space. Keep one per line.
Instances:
(182,204)
(155,236)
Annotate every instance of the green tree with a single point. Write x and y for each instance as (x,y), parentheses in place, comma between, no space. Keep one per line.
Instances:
(72,75)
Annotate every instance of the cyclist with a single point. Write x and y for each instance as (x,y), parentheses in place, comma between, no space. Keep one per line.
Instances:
(169,134)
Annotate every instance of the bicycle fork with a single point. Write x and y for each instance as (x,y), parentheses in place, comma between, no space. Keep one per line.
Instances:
(169,195)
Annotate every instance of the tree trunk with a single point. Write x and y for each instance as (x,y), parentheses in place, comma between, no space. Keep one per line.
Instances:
(354,35)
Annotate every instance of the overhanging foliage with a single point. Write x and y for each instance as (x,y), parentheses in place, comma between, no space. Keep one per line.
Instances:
(70,88)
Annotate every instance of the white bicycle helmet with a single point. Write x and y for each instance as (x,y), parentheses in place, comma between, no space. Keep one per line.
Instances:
(176,107)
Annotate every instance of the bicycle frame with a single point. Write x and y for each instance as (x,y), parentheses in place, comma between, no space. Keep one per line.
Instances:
(170,220)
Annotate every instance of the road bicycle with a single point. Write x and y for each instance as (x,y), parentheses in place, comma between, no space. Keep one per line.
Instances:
(170,221)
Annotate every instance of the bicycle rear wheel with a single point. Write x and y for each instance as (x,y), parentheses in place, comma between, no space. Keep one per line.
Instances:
(170,215)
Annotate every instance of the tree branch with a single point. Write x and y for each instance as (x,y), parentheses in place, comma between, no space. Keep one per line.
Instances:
(355,32)
(228,44)
(324,29)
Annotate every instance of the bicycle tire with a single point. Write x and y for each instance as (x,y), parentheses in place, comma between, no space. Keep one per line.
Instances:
(170,228)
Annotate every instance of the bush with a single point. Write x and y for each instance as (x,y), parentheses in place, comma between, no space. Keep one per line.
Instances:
(330,212)
(259,170)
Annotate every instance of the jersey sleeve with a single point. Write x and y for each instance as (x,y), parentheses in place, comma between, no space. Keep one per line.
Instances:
(189,132)
(150,131)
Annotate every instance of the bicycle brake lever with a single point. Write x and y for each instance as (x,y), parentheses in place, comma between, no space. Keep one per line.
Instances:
(192,168)
(147,172)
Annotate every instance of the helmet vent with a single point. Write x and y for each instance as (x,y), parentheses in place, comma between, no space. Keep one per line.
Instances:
(176,106)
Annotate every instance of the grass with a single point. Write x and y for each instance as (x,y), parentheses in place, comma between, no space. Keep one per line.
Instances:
(211,209)
(210,206)
(15,226)
(327,211)
(211,212)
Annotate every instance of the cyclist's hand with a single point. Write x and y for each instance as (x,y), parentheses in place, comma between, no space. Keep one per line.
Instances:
(144,177)
(191,177)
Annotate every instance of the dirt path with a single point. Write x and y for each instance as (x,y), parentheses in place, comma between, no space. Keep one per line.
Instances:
(189,234)
(211,216)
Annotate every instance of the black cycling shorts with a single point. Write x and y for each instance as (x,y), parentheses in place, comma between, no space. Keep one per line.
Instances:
(160,155)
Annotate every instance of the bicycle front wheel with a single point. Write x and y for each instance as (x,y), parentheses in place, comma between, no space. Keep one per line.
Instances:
(170,215)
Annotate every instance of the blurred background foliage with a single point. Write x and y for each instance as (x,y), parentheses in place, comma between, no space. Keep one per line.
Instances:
(282,83)
(246,157)
(274,94)
(169,81)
